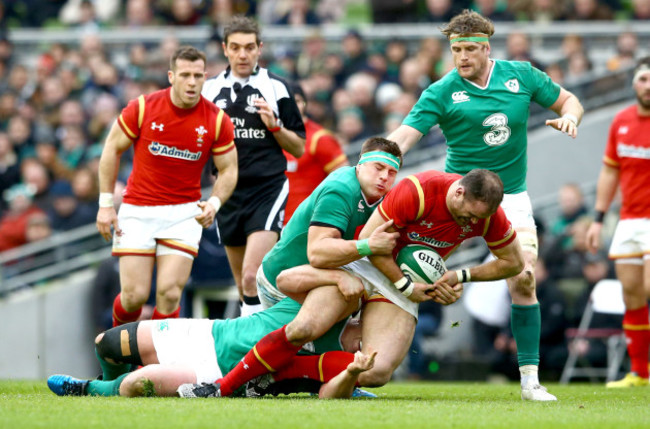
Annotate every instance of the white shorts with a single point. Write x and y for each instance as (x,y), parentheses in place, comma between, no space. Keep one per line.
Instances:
(631,241)
(269,295)
(519,212)
(187,342)
(377,285)
(158,230)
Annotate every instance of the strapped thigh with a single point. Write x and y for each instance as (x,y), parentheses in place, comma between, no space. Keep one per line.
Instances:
(120,344)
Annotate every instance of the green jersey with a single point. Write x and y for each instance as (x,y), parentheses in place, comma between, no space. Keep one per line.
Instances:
(233,338)
(337,202)
(486,127)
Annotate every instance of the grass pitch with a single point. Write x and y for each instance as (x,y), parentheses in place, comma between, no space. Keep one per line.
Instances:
(29,404)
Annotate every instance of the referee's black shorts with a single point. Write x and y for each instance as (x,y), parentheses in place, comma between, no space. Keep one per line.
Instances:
(257,206)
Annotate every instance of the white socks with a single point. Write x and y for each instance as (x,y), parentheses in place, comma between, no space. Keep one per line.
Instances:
(529,376)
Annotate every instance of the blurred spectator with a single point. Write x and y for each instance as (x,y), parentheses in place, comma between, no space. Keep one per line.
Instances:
(578,68)
(354,55)
(641,10)
(589,10)
(312,56)
(38,227)
(555,72)
(566,261)
(430,54)
(81,12)
(183,12)
(35,175)
(361,87)
(392,11)
(412,77)
(66,212)
(627,44)
(9,168)
(20,135)
(13,223)
(571,44)
(518,49)
(299,14)
(543,11)
(572,206)
(139,13)
(439,11)
(495,10)
(395,53)
(86,188)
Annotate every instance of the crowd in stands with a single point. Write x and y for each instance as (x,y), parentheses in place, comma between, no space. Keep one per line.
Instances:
(56,111)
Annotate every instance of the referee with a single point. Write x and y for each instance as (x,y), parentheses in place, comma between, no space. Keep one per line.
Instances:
(266,120)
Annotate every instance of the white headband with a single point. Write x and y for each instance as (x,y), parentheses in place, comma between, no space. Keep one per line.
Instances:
(641,70)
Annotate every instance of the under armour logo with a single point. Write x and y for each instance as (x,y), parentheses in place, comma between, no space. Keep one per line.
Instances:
(427,224)
(158,126)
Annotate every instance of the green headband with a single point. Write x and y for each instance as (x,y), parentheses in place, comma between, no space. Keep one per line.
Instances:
(470,39)
(380,156)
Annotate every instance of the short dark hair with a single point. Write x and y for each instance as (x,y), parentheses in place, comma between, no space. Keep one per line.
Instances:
(241,24)
(186,52)
(382,144)
(468,22)
(483,185)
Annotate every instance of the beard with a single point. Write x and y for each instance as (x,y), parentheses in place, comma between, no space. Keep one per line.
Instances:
(644,103)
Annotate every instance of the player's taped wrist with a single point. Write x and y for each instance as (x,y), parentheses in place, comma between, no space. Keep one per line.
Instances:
(571,117)
(106,199)
(363,247)
(275,129)
(405,286)
(600,216)
(463,275)
(215,202)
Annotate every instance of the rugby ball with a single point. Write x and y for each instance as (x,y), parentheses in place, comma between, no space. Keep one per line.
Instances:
(421,263)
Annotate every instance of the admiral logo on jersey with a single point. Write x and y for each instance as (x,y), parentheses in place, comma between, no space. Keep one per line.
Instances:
(414,236)
(170,151)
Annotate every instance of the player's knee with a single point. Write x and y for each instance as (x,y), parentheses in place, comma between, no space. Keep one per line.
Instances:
(376,377)
(119,344)
(132,300)
(300,331)
(170,295)
(132,386)
(249,281)
(524,282)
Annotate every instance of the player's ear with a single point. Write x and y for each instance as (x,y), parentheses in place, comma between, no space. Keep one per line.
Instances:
(170,76)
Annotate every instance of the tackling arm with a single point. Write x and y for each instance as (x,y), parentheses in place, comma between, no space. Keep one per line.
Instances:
(405,137)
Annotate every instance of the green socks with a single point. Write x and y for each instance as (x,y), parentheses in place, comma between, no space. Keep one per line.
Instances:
(105,388)
(526,323)
(111,370)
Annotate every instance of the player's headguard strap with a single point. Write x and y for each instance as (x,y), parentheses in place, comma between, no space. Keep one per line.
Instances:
(380,156)
(640,70)
(469,37)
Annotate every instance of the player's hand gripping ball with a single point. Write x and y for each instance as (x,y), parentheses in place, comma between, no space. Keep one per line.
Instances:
(421,263)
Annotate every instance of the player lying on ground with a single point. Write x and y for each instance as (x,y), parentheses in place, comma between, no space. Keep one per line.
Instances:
(177,351)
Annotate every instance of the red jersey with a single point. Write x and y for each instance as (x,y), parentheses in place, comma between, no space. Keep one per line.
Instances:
(418,206)
(323,154)
(171,146)
(628,150)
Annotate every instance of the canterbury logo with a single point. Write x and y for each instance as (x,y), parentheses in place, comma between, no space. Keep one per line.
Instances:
(157,126)
(460,96)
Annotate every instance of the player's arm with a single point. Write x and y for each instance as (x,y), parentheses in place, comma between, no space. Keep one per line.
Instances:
(326,247)
(508,263)
(109,163)
(223,187)
(287,139)
(296,282)
(605,190)
(405,137)
(417,292)
(569,110)
(342,385)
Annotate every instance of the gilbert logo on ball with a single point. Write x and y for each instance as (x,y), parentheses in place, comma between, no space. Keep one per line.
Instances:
(422,264)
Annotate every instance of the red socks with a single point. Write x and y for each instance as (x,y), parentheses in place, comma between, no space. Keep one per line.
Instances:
(120,315)
(158,315)
(321,368)
(270,354)
(637,334)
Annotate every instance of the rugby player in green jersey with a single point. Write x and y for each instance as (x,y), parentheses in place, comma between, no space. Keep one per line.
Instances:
(172,352)
(482,108)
